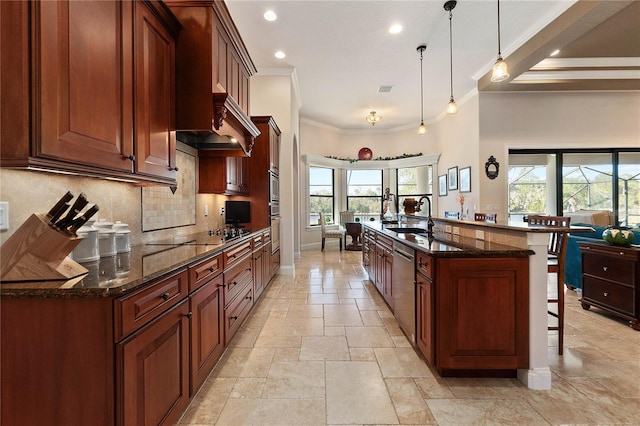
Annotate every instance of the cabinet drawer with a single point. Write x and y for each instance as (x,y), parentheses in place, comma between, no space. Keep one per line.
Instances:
(266,237)
(425,265)
(137,309)
(236,278)
(235,313)
(610,295)
(385,242)
(236,253)
(257,241)
(609,267)
(204,271)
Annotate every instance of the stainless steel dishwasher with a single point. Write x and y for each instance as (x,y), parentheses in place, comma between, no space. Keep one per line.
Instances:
(404,289)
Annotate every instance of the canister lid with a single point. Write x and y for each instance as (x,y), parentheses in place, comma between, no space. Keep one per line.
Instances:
(121,228)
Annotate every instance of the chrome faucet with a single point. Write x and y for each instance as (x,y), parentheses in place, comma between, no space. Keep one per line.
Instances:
(430,223)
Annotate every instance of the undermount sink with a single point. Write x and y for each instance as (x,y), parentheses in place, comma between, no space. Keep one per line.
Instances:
(407,230)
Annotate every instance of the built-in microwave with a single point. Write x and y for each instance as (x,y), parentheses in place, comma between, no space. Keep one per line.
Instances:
(274,188)
(274,208)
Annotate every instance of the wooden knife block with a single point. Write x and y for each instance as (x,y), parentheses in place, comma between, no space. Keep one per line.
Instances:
(38,252)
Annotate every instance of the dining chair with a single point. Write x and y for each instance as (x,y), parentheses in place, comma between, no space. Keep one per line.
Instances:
(346,217)
(486,217)
(330,233)
(556,253)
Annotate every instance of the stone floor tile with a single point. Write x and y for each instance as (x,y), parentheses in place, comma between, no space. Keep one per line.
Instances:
(484,411)
(368,337)
(303,379)
(277,412)
(324,348)
(410,407)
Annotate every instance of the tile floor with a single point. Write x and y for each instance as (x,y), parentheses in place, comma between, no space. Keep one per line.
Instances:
(322,348)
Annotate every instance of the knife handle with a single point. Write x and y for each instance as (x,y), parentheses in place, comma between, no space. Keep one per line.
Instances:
(56,209)
(80,221)
(56,216)
(77,206)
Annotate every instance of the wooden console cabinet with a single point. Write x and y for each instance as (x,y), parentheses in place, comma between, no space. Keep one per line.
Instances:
(610,280)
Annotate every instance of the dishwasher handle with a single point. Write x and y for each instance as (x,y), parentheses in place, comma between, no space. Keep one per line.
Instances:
(408,256)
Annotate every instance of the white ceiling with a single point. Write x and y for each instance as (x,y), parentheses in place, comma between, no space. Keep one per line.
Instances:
(342,52)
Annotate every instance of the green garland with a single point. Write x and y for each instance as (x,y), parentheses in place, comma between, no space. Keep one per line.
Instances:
(353,160)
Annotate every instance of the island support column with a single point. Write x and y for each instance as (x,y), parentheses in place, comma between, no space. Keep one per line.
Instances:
(538,376)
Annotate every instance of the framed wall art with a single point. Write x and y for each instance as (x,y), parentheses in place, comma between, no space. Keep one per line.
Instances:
(453,178)
(465,179)
(442,185)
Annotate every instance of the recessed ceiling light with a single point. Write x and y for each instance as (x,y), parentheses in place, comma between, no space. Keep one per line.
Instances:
(270,15)
(280,54)
(555,52)
(395,29)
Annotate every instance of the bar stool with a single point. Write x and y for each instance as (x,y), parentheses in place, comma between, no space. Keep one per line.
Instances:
(556,253)
(485,217)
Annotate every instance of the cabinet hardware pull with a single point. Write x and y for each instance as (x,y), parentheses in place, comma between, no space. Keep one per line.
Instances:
(604,268)
(211,269)
(222,285)
(248,298)
(131,157)
(606,294)
(173,168)
(189,315)
(234,318)
(621,253)
(165,296)
(234,283)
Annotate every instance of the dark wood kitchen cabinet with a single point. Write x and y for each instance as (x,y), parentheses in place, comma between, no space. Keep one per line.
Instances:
(384,268)
(207,330)
(222,175)
(155,370)
(82,120)
(611,280)
(473,313)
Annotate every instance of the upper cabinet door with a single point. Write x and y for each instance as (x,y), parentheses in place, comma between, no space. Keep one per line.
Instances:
(155,95)
(83,86)
(221,55)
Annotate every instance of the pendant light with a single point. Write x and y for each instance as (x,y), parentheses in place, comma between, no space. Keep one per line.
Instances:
(500,70)
(422,129)
(452,108)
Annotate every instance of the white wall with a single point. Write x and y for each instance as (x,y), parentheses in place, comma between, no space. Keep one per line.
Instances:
(551,120)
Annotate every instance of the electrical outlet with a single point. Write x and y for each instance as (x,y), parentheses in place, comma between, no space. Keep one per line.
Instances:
(456,230)
(4,216)
(206,210)
(447,228)
(479,235)
(221,210)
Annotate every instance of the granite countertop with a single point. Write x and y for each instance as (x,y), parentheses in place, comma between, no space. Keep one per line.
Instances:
(121,274)
(448,245)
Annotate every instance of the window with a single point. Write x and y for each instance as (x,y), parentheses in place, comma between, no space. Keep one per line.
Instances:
(558,182)
(321,197)
(364,193)
(413,182)
(629,188)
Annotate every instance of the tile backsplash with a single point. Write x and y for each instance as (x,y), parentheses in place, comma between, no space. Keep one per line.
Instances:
(30,192)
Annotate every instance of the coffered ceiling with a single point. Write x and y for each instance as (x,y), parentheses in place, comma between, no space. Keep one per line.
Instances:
(341,52)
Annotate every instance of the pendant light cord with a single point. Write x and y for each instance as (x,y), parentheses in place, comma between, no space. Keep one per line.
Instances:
(450,54)
(421,92)
(499,50)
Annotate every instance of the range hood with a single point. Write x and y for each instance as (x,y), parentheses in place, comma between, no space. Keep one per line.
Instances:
(233,133)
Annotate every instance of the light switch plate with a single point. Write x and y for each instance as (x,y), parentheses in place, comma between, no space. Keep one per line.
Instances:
(479,234)
(4,215)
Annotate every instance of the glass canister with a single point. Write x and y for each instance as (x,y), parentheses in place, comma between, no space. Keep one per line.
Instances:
(88,250)
(106,238)
(122,237)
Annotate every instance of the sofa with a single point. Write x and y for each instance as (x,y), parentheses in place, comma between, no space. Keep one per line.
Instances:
(573,257)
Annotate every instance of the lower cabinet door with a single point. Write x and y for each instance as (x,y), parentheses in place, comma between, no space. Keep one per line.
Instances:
(207,330)
(154,370)
(425,337)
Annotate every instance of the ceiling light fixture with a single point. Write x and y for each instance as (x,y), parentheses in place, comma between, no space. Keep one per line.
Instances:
(422,129)
(555,52)
(280,54)
(270,15)
(395,29)
(452,108)
(500,69)
(373,118)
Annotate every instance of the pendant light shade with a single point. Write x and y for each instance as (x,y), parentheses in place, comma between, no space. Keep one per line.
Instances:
(452,108)
(422,129)
(500,69)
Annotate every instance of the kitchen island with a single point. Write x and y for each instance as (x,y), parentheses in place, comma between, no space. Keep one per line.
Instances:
(459,238)
(132,340)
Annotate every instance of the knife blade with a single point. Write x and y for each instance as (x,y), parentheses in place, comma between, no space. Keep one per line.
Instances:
(77,206)
(81,220)
(59,208)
